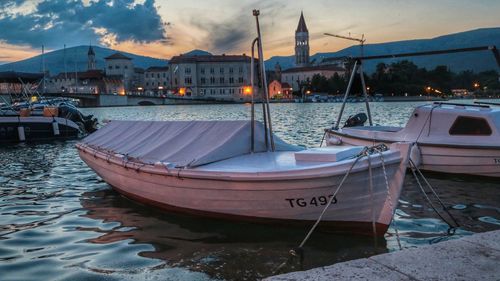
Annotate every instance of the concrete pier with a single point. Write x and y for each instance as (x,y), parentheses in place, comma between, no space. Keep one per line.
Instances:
(476,257)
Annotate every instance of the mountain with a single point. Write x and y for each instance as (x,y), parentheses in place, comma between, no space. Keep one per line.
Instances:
(476,61)
(76,59)
(197,52)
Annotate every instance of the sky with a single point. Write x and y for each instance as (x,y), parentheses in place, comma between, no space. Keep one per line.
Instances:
(164,28)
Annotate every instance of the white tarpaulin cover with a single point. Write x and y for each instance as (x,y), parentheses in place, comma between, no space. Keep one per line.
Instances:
(182,143)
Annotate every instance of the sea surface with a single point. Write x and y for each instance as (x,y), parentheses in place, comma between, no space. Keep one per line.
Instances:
(60,221)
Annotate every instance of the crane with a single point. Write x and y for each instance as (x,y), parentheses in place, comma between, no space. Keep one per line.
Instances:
(360,40)
(357,67)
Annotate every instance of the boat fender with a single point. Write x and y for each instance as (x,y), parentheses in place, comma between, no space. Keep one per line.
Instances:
(55,128)
(415,155)
(121,156)
(20,133)
(334,140)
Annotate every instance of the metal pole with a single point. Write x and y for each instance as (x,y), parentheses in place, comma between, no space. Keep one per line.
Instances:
(354,69)
(264,79)
(252,66)
(365,93)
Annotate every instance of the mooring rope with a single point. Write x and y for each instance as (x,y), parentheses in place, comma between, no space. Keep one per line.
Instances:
(451,228)
(365,152)
(393,209)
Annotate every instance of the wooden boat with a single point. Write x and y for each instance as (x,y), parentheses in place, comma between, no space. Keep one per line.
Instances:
(241,170)
(450,138)
(206,168)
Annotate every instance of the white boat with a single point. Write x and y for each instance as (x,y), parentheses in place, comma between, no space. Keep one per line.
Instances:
(207,168)
(40,119)
(450,138)
(241,170)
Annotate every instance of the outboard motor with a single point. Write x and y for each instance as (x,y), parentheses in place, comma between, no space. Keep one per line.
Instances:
(70,112)
(356,120)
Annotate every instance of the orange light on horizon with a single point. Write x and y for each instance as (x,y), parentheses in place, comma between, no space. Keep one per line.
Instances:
(182,91)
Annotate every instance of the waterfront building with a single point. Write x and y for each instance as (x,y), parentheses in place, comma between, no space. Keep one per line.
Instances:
(278,90)
(92,81)
(301,43)
(218,77)
(120,65)
(303,75)
(156,80)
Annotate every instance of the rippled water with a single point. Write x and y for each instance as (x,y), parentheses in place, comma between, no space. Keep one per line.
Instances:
(59,221)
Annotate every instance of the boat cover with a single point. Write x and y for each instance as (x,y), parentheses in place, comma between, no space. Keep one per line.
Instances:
(181,143)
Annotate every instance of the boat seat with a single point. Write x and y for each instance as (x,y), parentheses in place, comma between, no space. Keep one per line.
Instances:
(328,154)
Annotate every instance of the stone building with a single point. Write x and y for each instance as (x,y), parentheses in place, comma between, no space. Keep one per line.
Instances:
(218,77)
(301,43)
(92,81)
(120,65)
(156,80)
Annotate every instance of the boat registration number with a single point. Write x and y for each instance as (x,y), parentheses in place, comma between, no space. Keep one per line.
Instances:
(313,201)
(497,160)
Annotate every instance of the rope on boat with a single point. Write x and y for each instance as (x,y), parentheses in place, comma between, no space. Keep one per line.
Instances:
(393,209)
(365,152)
(452,228)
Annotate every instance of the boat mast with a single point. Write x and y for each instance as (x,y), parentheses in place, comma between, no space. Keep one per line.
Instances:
(65,72)
(358,66)
(43,69)
(263,79)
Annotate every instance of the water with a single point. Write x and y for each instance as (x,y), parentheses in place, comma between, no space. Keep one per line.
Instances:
(59,221)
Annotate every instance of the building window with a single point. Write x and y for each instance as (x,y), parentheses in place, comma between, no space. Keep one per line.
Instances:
(164,74)
(202,70)
(222,70)
(158,75)
(212,71)
(212,80)
(240,79)
(240,69)
(187,80)
(230,70)
(231,80)
(470,126)
(187,70)
(221,80)
(203,80)
(164,83)
(117,66)
(221,91)
(126,67)
(110,67)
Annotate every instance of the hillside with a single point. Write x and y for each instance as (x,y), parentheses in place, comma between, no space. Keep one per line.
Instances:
(76,59)
(478,61)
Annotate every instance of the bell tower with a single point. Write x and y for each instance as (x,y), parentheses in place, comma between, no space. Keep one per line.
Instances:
(91,58)
(302,43)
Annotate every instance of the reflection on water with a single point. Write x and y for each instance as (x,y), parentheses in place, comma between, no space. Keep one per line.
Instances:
(58,220)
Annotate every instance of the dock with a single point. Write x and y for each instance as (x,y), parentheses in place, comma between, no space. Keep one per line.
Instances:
(474,257)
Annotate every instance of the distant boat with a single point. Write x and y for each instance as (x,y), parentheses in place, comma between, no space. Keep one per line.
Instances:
(41,119)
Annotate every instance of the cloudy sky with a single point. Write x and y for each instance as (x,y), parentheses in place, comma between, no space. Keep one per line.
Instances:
(163,28)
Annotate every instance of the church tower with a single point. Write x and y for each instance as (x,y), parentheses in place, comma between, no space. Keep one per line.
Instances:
(91,59)
(302,43)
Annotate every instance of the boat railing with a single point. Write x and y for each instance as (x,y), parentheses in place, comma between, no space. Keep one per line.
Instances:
(462,104)
(486,103)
